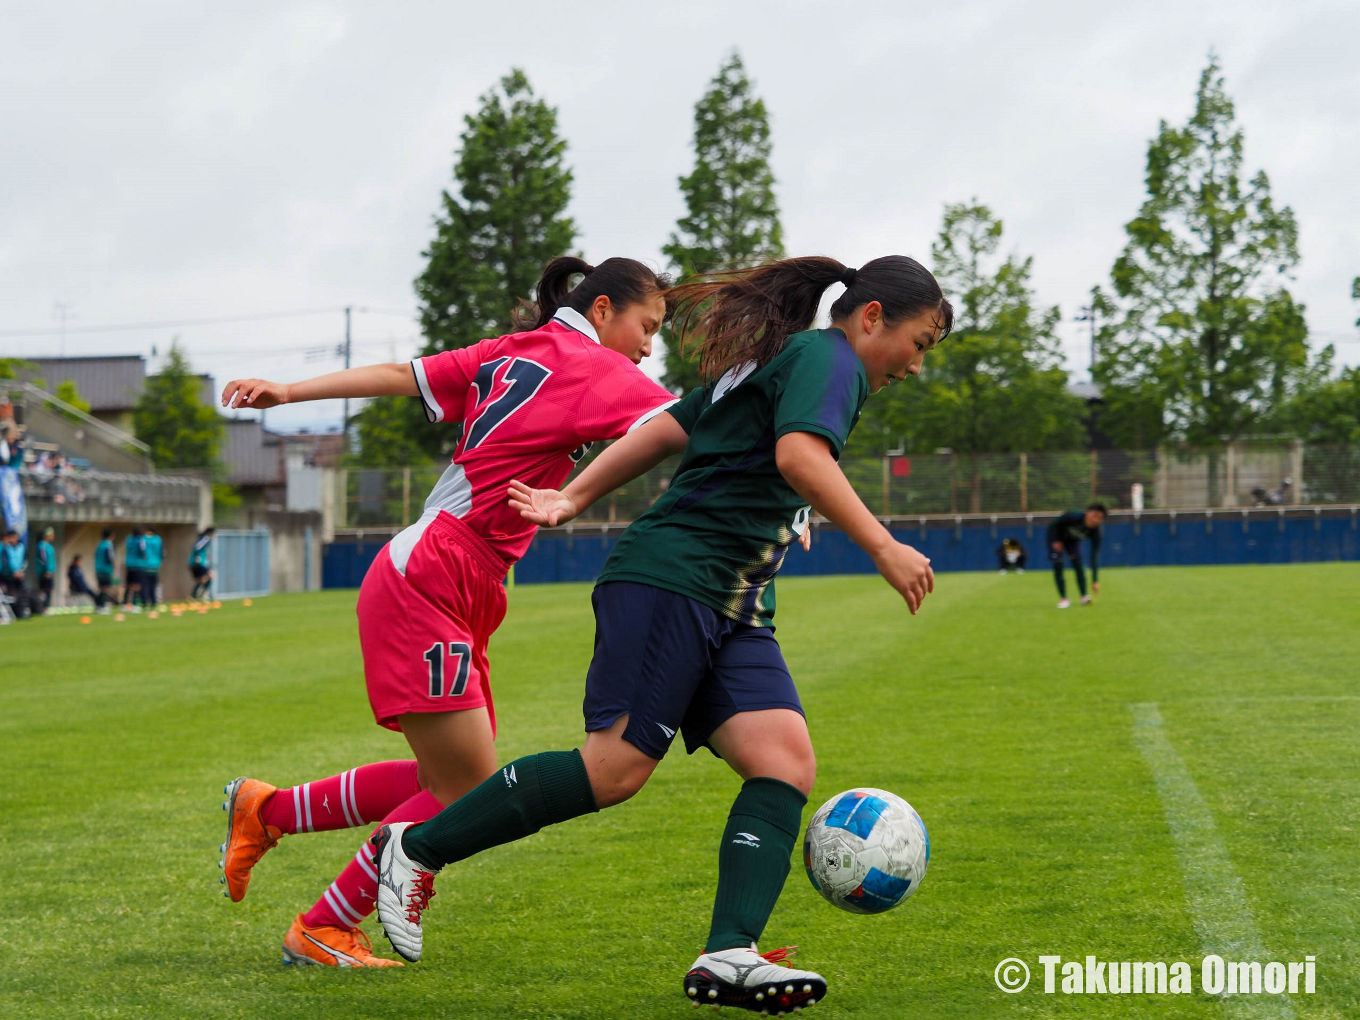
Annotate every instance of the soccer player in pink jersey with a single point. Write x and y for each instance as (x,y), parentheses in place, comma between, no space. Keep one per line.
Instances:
(531,403)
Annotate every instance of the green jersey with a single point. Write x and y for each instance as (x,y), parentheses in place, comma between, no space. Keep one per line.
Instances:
(719,533)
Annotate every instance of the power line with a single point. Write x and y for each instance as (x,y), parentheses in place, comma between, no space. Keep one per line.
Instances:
(15,334)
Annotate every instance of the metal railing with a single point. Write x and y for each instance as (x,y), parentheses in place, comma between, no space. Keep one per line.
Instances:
(112,496)
(1235,476)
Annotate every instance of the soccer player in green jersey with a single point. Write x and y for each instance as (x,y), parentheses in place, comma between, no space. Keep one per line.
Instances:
(685,604)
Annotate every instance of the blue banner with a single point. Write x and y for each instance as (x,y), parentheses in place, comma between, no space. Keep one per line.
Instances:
(12,501)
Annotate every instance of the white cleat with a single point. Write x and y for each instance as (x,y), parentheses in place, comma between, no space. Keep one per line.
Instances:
(404,891)
(1063,603)
(748,980)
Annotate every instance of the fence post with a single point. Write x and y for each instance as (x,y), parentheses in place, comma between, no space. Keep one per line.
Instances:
(887,487)
(342,498)
(1230,486)
(1024,482)
(1095,469)
(1163,480)
(405,496)
(1296,471)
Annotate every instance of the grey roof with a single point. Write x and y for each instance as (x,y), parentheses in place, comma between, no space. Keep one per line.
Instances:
(253,456)
(109,384)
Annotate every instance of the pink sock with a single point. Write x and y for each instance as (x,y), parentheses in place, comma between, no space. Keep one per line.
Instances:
(357,797)
(351,897)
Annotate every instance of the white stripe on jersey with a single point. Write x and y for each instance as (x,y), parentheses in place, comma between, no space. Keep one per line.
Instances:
(653,413)
(432,409)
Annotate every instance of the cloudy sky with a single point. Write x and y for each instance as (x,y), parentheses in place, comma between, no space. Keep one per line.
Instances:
(164,163)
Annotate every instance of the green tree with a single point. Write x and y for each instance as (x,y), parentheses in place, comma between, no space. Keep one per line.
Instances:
(732,217)
(169,417)
(390,429)
(507,221)
(67,392)
(503,221)
(997,383)
(1201,342)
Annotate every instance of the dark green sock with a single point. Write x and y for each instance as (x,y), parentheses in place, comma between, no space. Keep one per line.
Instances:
(517,801)
(753,860)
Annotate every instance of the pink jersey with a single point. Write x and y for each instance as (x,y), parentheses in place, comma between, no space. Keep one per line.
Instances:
(531,404)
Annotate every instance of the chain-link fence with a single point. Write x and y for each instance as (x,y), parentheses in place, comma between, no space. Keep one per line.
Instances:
(1238,475)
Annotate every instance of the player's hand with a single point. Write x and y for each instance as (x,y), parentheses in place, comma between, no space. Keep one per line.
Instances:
(908,571)
(259,393)
(805,539)
(1057,547)
(1095,587)
(545,507)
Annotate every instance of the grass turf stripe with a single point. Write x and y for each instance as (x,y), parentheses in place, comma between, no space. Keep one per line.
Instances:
(1217,901)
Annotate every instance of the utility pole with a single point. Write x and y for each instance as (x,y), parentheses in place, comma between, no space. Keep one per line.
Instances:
(62,311)
(344,420)
(1087,313)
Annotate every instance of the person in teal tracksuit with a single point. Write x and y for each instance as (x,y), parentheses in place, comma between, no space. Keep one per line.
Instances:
(151,572)
(104,567)
(134,565)
(200,563)
(47,570)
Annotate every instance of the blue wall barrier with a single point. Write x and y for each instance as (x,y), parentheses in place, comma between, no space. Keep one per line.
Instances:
(1193,538)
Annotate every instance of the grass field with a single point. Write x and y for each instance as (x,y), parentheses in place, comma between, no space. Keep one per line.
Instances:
(1068,815)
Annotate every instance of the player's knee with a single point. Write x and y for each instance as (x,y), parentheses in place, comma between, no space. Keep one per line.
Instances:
(617,781)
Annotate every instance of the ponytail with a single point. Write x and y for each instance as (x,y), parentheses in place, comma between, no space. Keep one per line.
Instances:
(746,315)
(624,281)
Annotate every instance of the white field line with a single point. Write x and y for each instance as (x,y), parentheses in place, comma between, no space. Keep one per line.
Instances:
(1218,904)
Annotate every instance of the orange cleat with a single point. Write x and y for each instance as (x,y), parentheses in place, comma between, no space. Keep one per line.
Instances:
(248,838)
(331,947)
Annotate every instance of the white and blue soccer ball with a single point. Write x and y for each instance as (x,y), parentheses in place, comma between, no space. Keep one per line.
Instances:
(866,850)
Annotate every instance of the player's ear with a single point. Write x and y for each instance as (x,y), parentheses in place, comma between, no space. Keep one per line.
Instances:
(600,310)
(872,316)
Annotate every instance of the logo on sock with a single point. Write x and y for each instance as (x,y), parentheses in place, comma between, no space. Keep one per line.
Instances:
(365,892)
(509,774)
(667,730)
(326,803)
(748,839)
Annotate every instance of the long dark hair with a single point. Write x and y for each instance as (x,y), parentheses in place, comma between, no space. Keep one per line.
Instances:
(623,281)
(746,314)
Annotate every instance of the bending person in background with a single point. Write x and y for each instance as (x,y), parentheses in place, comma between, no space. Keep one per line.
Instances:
(200,563)
(531,404)
(1064,538)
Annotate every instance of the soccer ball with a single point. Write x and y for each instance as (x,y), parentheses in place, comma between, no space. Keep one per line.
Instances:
(866,850)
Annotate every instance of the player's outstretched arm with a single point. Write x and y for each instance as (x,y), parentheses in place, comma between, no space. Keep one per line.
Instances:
(633,455)
(390,380)
(805,461)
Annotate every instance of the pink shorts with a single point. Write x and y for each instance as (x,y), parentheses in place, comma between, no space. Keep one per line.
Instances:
(424,631)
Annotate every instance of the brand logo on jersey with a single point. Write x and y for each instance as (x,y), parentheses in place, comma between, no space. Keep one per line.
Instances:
(510,778)
(748,839)
(667,730)
(580,452)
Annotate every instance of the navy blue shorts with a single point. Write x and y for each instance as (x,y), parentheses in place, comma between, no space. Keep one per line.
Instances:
(673,664)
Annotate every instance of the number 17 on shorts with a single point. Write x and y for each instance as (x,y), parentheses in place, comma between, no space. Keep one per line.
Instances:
(458,660)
